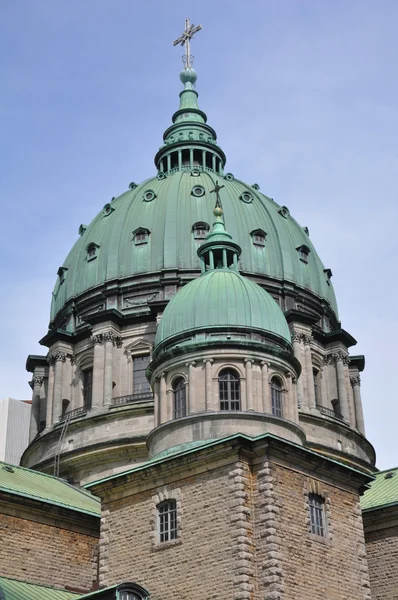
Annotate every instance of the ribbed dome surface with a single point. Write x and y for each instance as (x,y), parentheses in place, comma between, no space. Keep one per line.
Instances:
(221,298)
(169,217)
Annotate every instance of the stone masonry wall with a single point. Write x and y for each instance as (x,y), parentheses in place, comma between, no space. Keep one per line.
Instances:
(295,563)
(44,554)
(213,555)
(382,551)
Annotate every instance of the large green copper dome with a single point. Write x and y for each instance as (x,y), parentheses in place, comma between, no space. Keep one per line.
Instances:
(221,298)
(153,227)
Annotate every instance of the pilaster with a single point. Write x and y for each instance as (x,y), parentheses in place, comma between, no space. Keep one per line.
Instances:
(37,382)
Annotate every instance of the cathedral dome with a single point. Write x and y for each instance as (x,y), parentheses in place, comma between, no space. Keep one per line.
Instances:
(219,299)
(157,226)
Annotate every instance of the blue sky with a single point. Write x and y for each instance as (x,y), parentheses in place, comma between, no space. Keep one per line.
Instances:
(303,96)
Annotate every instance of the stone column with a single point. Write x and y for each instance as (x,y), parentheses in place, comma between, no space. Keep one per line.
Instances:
(296,339)
(249,385)
(162,399)
(339,358)
(356,388)
(324,391)
(37,382)
(156,402)
(191,387)
(98,372)
(109,340)
(295,414)
(267,408)
(209,383)
(309,371)
(59,358)
(50,394)
(288,405)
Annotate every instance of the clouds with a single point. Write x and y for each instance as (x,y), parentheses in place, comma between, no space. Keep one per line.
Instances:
(304,100)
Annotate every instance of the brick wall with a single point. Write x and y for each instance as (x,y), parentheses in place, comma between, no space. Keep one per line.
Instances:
(46,554)
(244,534)
(200,566)
(382,551)
(299,564)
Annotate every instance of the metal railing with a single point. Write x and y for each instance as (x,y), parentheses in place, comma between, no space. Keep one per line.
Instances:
(73,414)
(329,412)
(132,398)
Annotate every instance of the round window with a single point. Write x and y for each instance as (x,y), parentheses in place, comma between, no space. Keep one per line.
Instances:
(198,191)
(246,197)
(132,185)
(195,173)
(161,176)
(229,177)
(149,195)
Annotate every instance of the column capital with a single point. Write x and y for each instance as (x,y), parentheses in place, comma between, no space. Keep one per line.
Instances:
(296,336)
(191,363)
(248,360)
(58,355)
(208,360)
(355,380)
(37,380)
(264,363)
(341,356)
(307,339)
(97,338)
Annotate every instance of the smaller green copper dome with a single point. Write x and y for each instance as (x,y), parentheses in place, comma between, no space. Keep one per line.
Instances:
(221,298)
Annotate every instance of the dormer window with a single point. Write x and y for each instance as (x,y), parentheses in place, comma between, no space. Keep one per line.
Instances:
(92,251)
(246,197)
(149,195)
(61,274)
(200,230)
(258,237)
(328,273)
(141,236)
(303,252)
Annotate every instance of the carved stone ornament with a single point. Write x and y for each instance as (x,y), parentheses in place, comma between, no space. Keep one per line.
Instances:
(59,355)
(38,380)
(346,360)
(307,339)
(355,380)
(297,337)
(109,336)
(118,341)
(327,359)
(72,359)
(97,338)
(340,356)
(49,358)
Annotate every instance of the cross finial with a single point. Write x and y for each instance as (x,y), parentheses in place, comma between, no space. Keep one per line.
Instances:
(185,39)
(217,189)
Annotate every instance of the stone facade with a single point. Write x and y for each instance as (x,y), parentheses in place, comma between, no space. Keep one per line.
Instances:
(48,545)
(243,526)
(381,534)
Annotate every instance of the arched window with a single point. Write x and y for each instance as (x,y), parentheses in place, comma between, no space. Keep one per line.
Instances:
(180,398)
(229,389)
(316,505)
(276,397)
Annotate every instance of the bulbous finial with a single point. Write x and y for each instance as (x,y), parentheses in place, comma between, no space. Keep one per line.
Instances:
(188,75)
(217,212)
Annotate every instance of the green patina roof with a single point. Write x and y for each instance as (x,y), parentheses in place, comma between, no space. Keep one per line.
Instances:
(169,217)
(192,447)
(221,298)
(45,488)
(383,490)
(12,589)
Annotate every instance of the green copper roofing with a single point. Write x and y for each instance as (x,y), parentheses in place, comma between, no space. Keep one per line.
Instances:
(12,589)
(221,298)
(383,490)
(45,488)
(171,243)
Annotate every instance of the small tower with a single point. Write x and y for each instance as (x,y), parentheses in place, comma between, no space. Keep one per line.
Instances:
(223,361)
